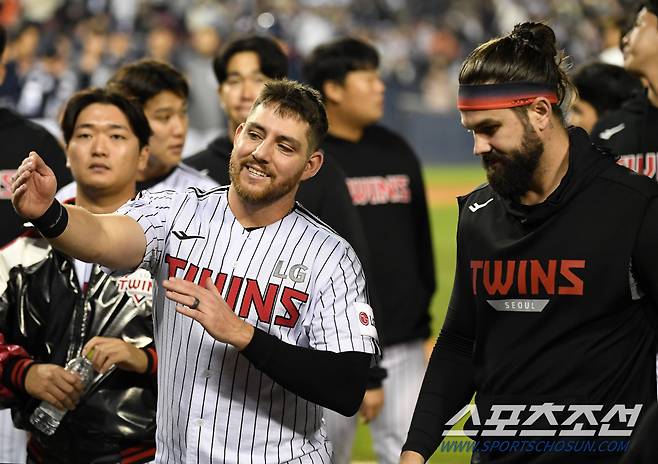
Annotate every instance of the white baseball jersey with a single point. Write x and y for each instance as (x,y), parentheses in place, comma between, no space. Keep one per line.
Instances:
(13,442)
(295,279)
(180,178)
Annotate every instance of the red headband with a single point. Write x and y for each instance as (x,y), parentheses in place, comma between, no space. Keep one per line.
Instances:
(506,95)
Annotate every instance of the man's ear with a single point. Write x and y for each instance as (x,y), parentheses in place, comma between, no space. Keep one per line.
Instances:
(238,131)
(333,91)
(540,112)
(313,164)
(219,96)
(143,160)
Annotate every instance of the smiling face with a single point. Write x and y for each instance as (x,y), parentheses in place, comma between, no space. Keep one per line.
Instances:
(103,152)
(509,147)
(270,157)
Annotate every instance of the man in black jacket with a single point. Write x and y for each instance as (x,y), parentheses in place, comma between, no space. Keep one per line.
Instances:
(629,132)
(57,308)
(602,88)
(19,136)
(386,186)
(548,324)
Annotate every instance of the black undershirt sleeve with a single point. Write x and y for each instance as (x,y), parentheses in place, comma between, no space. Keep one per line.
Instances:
(449,380)
(447,387)
(333,380)
(376,376)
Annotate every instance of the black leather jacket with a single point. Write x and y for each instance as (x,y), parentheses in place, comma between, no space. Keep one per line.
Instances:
(43,309)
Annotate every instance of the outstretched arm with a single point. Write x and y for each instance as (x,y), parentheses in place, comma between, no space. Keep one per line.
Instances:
(114,241)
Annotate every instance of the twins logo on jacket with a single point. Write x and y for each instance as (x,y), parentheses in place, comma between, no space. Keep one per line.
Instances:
(294,279)
(379,190)
(525,284)
(138,286)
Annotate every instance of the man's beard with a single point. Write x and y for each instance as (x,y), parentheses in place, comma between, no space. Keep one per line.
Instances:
(512,175)
(260,196)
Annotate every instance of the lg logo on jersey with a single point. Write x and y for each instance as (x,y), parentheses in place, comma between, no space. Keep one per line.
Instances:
(296,273)
(274,304)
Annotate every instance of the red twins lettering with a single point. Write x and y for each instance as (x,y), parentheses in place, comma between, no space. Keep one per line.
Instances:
(642,163)
(527,277)
(378,190)
(263,301)
(253,297)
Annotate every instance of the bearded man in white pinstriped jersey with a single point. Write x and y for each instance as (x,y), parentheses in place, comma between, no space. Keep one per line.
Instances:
(261,312)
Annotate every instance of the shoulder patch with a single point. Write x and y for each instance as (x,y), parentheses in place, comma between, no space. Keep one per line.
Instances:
(366,323)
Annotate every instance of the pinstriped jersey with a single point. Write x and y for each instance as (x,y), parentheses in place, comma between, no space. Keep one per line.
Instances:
(12,440)
(180,178)
(295,279)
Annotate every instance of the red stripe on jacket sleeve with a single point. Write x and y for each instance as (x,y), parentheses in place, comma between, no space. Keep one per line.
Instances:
(14,362)
(152,360)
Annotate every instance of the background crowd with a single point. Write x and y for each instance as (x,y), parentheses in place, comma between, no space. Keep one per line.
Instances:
(57,47)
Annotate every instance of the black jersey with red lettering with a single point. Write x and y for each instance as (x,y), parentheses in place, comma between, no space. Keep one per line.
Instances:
(386,185)
(552,304)
(629,133)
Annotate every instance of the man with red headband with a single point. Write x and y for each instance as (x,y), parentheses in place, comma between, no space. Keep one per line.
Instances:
(550,320)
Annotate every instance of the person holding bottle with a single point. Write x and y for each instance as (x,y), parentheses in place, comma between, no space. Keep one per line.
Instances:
(47,417)
(55,310)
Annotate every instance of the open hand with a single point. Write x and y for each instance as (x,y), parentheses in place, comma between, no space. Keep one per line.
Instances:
(33,187)
(114,351)
(211,311)
(54,384)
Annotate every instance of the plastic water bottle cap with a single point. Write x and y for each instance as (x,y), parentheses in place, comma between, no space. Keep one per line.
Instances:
(90,354)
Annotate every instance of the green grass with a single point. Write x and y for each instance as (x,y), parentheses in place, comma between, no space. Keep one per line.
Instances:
(444,223)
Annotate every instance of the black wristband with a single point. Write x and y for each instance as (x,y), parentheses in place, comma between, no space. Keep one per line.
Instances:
(53,222)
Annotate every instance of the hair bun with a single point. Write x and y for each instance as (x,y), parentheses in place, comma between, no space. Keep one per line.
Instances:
(536,36)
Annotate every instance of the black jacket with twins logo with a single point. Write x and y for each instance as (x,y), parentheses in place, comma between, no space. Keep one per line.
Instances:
(552,315)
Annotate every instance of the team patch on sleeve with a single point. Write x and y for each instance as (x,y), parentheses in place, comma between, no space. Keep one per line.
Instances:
(366,320)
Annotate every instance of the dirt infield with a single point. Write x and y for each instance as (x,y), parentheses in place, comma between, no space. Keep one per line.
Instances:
(445,195)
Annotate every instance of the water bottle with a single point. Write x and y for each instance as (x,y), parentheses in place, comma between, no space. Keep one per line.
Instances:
(47,417)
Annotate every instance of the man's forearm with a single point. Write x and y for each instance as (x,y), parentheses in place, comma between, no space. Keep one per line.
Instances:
(111,240)
(448,386)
